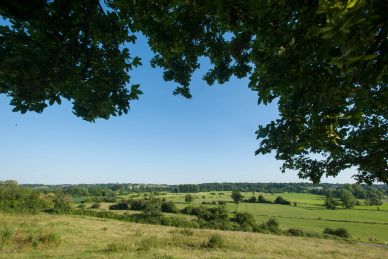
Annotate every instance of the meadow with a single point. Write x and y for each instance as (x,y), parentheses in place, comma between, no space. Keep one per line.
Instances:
(67,236)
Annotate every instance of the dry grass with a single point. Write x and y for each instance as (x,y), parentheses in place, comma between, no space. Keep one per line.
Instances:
(86,237)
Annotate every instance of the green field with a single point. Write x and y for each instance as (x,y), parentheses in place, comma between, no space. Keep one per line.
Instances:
(32,236)
(365,223)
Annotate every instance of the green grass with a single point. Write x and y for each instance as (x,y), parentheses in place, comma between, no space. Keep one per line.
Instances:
(87,237)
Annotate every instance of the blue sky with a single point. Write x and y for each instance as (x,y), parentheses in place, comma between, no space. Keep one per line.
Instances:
(163,139)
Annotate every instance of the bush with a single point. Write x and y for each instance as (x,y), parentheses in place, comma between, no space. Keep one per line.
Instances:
(295,232)
(330,203)
(244,219)
(20,199)
(62,204)
(137,204)
(340,232)
(189,198)
(169,207)
(81,206)
(281,200)
(252,199)
(153,207)
(215,241)
(271,226)
(96,206)
(221,202)
(119,206)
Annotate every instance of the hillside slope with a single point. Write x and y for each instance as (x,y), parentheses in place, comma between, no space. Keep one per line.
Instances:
(42,236)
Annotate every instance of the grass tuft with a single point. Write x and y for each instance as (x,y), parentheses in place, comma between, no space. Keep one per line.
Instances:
(215,242)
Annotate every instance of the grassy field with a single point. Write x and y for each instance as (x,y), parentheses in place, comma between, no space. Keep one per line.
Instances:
(86,237)
(365,223)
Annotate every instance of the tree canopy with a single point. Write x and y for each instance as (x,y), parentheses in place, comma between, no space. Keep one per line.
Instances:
(323,62)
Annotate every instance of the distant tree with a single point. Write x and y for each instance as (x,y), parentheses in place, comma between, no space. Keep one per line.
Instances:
(358,191)
(261,199)
(347,198)
(189,198)
(373,197)
(237,196)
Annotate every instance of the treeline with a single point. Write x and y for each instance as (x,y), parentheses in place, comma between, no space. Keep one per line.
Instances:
(110,189)
(348,196)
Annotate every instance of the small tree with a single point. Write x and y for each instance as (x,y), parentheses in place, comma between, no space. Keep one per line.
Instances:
(347,199)
(189,198)
(169,206)
(261,199)
(373,197)
(330,203)
(237,196)
(62,203)
(281,200)
(252,199)
(153,207)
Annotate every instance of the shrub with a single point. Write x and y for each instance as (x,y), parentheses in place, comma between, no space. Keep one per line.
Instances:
(340,232)
(270,226)
(261,199)
(252,199)
(137,204)
(330,203)
(215,241)
(81,206)
(281,200)
(119,206)
(96,206)
(169,206)
(62,204)
(221,202)
(153,207)
(189,198)
(295,232)
(244,219)
(20,199)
